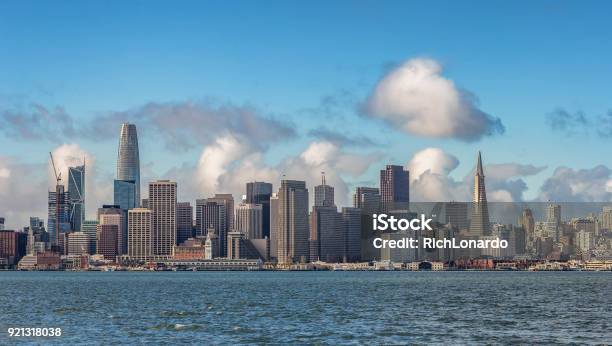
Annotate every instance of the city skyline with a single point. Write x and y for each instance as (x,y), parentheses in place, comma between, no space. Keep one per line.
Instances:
(208,121)
(72,164)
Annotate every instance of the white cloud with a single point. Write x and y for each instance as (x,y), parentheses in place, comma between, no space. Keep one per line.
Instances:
(434,160)
(419,100)
(583,185)
(228,164)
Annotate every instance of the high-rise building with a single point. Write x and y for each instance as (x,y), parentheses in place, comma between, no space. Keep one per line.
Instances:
(113,215)
(78,243)
(106,241)
(526,221)
(211,215)
(273,225)
(124,194)
(184,222)
(140,234)
(260,193)
(128,161)
(162,203)
(605,218)
(394,188)
(227,200)
(293,227)
(41,236)
(76,189)
(249,219)
(327,240)
(324,194)
(367,199)
(351,221)
(584,240)
(59,214)
(1,224)
(553,221)
(90,228)
(456,214)
(479,224)
(13,246)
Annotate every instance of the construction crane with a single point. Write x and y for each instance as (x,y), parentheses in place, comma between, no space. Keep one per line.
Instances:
(58,192)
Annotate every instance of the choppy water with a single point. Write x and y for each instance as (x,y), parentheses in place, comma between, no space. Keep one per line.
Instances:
(310,307)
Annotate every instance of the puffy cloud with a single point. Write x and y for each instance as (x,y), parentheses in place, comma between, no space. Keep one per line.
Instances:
(583,185)
(419,100)
(230,162)
(434,160)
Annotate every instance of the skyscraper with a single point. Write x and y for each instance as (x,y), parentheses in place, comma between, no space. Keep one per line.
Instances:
(326,234)
(78,243)
(526,221)
(89,227)
(324,194)
(456,214)
(76,189)
(128,161)
(351,221)
(479,224)
(184,221)
(249,218)
(260,193)
(140,237)
(553,221)
(394,188)
(59,214)
(113,215)
(273,225)
(227,200)
(293,227)
(106,241)
(124,194)
(162,203)
(367,199)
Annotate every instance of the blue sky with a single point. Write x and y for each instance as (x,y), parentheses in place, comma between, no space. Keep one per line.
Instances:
(523,60)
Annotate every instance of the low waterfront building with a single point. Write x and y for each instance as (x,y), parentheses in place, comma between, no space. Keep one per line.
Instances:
(213,264)
(190,249)
(40,261)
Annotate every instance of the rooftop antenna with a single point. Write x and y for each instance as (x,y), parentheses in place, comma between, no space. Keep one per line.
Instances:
(322,178)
